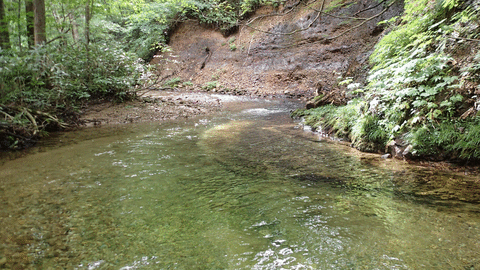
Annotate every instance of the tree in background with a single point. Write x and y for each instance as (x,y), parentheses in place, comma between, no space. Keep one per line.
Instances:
(4,32)
(29,14)
(40,23)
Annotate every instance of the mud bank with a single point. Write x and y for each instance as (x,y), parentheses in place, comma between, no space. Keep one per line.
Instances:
(152,106)
(293,50)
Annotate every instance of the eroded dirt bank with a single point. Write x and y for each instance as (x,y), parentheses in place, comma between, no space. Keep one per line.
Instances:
(152,106)
(294,50)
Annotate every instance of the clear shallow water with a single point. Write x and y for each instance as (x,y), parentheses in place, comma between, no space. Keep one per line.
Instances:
(241,190)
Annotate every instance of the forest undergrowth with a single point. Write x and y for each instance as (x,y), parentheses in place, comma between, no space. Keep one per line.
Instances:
(94,51)
(422,92)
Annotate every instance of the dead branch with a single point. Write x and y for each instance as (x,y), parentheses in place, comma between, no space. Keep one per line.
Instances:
(364,22)
(320,11)
(248,24)
(339,17)
(286,34)
(52,118)
(268,15)
(462,38)
(32,119)
(7,115)
(366,9)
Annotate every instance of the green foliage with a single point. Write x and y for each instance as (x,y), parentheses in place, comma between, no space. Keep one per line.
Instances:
(174,82)
(415,85)
(369,129)
(454,138)
(210,85)
(472,71)
(231,43)
(53,77)
(414,91)
(333,5)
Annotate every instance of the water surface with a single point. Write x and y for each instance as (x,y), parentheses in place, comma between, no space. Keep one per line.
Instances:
(247,189)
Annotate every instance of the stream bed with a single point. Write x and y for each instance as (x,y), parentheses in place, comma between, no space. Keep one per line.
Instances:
(242,189)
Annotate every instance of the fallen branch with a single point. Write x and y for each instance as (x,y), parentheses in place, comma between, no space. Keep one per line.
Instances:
(462,38)
(7,115)
(32,119)
(320,11)
(53,118)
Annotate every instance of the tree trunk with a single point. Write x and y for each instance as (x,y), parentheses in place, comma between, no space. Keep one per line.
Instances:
(87,22)
(74,24)
(30,23)
(87,41)
(4,33)
(19,24)
(40,27)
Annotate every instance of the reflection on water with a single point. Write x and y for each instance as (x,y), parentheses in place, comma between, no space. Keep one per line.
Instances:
(244,190)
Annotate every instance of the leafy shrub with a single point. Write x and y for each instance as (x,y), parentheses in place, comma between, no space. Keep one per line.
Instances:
(210,85)
(174,82)
(49,77)
(454,138)
(414,91)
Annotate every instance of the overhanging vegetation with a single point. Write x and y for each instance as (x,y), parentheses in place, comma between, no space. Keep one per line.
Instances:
(422,88)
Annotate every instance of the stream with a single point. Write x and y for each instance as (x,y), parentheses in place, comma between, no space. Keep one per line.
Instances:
(246,188)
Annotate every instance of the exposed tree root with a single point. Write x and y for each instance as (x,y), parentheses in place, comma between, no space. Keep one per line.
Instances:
(21,127)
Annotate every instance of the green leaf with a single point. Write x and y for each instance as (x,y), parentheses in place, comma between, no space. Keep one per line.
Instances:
(446,103)
(419,103)
(456,98)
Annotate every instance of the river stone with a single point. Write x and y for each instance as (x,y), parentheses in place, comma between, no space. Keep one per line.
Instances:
(407,153)
(386,156)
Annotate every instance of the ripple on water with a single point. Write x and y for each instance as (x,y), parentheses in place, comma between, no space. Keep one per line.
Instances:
(232,192)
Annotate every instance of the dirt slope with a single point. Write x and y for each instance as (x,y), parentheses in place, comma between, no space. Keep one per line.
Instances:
(279,51)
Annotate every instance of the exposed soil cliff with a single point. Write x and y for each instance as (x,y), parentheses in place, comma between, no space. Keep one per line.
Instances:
(294,50)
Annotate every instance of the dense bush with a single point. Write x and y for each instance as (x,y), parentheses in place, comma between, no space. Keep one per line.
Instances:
(63,76)
(39,88)
(416,90)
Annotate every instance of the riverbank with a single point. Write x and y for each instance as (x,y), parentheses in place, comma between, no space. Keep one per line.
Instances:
(247,180)
(151,106)
(162,105)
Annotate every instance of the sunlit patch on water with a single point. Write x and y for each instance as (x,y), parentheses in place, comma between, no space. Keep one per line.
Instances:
(244,190)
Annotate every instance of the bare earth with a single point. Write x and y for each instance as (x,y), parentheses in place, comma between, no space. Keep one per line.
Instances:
(152,106)
(277,52)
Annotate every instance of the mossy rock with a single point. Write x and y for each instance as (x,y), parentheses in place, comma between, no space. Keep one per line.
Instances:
(369,147)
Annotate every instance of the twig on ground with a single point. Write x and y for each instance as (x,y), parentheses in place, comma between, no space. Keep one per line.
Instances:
(462,38)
